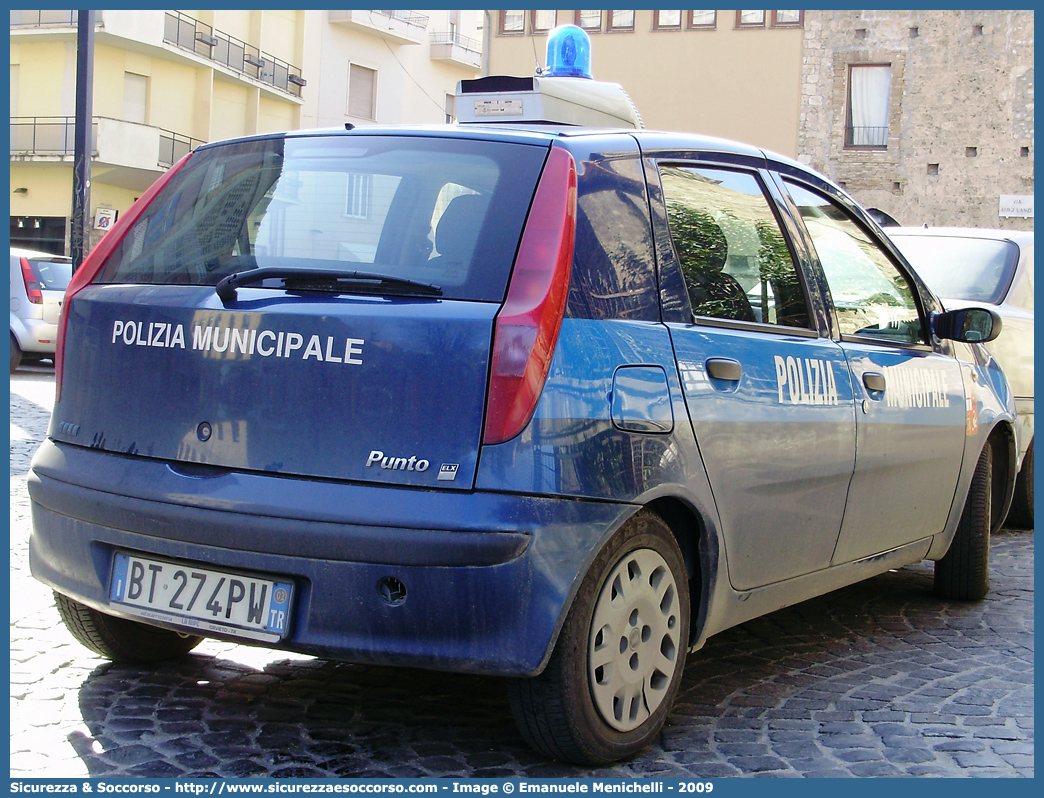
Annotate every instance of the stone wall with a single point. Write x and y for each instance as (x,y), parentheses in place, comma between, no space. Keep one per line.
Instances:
(960,117)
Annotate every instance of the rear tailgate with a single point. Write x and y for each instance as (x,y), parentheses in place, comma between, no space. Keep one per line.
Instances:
(363,388)
(365,357)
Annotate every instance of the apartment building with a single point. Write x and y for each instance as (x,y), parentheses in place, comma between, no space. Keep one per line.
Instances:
(166,81)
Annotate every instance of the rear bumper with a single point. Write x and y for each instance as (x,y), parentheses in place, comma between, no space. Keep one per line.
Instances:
(35,335)
(488,576)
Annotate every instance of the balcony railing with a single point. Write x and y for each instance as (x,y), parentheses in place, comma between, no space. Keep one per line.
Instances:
(197,37)
(874,137)
(47,135)
(174,146)
(190,34)
(395,27)
(469,44)
(44,19)
(53,135)
(409,17)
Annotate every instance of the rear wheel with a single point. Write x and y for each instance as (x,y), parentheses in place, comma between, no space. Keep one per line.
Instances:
(1021,514)
(963,574)
(16,354)
(615,670)
(119,639)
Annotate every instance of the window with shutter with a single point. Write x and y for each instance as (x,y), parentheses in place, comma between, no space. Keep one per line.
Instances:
(362,92)
(135,97)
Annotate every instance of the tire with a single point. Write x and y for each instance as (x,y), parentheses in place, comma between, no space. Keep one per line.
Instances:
(16,354)
(1020,516)
(119,639)
(626,635)
(963,574)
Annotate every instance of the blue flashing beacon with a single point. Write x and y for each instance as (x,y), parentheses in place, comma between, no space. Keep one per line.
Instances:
(568,53)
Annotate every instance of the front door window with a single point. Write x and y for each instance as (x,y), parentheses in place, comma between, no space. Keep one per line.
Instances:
(871,296)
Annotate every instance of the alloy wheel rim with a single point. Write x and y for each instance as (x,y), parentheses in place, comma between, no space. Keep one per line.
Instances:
(635,640)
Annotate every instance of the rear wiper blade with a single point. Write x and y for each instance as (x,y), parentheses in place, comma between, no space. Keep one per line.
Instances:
(342,282)
(325,280)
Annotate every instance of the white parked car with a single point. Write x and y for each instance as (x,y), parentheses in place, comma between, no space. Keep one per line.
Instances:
(38,283)
(994,269)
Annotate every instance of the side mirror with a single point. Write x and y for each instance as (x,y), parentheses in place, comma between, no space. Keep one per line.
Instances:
(970,325)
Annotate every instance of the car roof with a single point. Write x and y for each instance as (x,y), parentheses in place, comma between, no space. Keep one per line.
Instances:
(530,132)
(533,134)
(1018,236)
(544,134)
(19,252)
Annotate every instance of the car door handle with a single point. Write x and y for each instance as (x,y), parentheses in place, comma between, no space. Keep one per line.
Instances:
(723,368)
(874,381)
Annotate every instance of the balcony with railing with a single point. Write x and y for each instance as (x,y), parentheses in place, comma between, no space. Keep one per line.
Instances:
(188,33)
(113,141)
(396,27)
(184,32)
(45,19)
(454,47)
(870,138)
(44,136)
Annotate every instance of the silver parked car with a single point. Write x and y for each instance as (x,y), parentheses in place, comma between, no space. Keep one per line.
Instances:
(994,269)
(38,283)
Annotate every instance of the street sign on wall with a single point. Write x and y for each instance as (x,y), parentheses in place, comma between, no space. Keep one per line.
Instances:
(1020,205)
(104,218)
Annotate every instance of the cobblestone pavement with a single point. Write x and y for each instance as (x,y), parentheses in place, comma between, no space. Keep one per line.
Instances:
(878,679)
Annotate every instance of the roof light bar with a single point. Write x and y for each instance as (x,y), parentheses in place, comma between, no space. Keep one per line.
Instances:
(562,94)
(568,53)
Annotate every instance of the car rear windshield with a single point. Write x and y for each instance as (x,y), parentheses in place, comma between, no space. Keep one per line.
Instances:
(53,274)
(440,211)
(976,269)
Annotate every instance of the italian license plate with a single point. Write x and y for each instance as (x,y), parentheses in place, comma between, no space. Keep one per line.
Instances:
(200,598)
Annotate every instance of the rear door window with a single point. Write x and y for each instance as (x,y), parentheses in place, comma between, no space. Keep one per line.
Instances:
(735,261)
(438,211)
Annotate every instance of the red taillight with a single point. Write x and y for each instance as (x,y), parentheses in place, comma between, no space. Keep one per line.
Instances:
(527,326)
(94,261)
(32,285)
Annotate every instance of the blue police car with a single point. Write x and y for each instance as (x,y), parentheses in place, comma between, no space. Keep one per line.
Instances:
(551,402)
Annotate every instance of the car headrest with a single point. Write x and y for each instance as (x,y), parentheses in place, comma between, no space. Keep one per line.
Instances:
(459,226)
